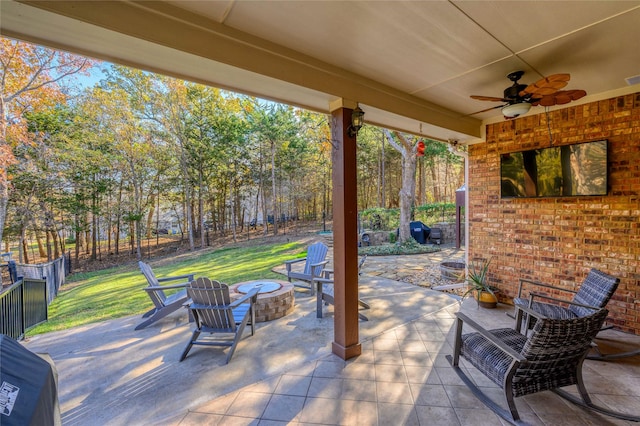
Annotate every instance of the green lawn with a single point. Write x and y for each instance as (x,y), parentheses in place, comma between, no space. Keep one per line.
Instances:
(117,292)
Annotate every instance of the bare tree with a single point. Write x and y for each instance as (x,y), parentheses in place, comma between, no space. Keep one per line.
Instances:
(407,148)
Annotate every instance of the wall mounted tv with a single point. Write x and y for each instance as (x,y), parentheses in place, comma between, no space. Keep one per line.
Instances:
(563,171)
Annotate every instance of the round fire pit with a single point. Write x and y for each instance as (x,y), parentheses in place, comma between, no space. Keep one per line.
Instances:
(275,298)
(452,271)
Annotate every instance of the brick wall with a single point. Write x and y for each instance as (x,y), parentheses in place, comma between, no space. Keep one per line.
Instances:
(558,240)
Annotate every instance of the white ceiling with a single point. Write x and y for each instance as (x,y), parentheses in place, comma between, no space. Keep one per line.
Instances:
(410,64)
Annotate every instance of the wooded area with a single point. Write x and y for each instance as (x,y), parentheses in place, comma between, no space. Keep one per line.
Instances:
(139,152)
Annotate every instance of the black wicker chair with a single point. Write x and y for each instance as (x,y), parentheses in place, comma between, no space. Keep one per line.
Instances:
(549,358)
(595,292)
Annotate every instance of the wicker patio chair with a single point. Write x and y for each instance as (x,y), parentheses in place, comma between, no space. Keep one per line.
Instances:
(216,314)
(550,358)
(595,292)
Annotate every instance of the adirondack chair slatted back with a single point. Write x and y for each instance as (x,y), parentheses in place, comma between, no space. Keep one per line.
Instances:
(596,290)
(158,297)
(204,291)
(554,351)
(316,253)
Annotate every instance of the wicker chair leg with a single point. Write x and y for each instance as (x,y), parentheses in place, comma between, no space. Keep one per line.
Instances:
(591,406)
(597,355)
(586,402)
(511,416)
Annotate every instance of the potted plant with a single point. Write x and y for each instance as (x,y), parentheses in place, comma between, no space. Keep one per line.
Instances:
(485,294)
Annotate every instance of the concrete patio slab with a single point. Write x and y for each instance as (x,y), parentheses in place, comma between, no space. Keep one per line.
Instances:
(111,374)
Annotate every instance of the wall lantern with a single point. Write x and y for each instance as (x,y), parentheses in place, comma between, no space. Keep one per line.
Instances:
(357,120)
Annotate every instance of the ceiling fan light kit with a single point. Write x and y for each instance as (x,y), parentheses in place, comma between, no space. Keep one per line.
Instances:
(515,110)
(520,97)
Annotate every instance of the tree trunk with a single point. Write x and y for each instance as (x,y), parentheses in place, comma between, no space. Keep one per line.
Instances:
(152,206)
(201,209)
(274,204)
(407,192)
(420,196)
(41,249)
(232,205)
(116,237)
(25,248)
(94,225)
(4,179)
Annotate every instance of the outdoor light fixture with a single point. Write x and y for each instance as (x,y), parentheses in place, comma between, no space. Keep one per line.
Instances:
(514,110)
(357,120)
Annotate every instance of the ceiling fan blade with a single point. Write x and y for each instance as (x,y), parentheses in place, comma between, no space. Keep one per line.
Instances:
(547,85)
(488,98)
(485,110)
(559,98)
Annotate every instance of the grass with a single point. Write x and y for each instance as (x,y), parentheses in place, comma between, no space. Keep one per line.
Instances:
(117,292)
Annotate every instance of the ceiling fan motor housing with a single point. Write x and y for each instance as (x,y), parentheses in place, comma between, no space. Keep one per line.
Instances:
(511,92)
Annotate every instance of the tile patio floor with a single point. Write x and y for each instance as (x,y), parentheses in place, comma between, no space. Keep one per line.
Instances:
(403,378)
(111,374)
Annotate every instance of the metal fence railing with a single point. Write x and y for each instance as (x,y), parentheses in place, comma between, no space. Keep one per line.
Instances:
(23,306)
(25,303)
(53,273)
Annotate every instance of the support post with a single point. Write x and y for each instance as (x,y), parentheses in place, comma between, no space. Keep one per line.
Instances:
(345,236)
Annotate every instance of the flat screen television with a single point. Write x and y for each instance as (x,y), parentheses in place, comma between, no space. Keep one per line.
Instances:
(563,171)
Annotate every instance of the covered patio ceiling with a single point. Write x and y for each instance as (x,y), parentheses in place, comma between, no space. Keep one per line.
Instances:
(411,65)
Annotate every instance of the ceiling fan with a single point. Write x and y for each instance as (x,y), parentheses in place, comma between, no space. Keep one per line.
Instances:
(520,98)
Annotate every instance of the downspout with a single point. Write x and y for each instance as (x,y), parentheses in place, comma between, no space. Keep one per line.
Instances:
(465,157)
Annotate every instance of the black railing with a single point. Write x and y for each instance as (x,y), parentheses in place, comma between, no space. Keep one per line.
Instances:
(23,306)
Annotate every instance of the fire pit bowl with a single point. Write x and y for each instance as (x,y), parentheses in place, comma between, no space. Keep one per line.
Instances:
(452,271)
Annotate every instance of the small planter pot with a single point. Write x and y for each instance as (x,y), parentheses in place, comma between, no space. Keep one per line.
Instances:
(486,300)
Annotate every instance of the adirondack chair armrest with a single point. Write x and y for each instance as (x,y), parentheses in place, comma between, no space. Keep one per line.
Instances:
(164,287)
(327,272)
(251,296)
(319,282)
(313,269)
(188,277)
(524,281)
(534,295)
(288,263)
(462,318)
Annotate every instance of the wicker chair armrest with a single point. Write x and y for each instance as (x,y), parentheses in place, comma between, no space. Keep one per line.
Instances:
(524,281)
(534,295)
(164,287)
(177,277)
(490,337)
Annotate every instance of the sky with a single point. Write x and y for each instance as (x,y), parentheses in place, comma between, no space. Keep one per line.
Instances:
(96,74)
